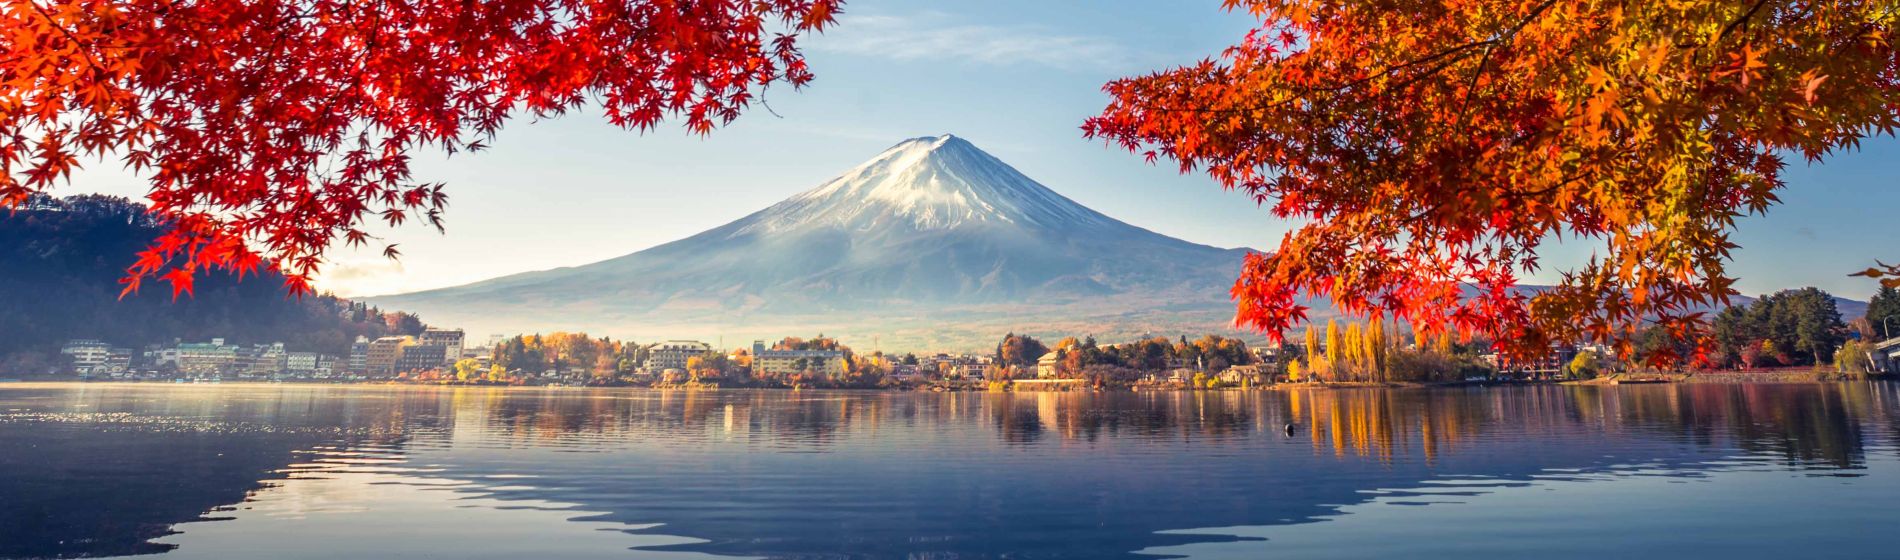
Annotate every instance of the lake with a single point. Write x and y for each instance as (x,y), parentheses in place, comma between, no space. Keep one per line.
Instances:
(311,471)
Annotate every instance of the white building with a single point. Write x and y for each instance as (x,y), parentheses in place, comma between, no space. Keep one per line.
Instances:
(87,356)
(359,355)
(775,363)
(1886,355)
(672,354)
(206,360)
(1046,365)
(303,364)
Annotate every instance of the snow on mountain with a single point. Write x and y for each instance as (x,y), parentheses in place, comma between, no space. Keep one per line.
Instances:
(929,183)
(931,237)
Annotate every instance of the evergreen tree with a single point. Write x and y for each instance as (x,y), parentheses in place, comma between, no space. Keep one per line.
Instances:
(1883,312)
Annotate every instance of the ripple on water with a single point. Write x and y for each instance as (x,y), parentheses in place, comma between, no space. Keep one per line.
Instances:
(881,475)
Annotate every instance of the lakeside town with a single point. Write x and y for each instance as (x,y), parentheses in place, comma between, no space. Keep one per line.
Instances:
(1787,335)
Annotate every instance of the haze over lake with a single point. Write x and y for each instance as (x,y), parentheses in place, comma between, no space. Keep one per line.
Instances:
(286,471)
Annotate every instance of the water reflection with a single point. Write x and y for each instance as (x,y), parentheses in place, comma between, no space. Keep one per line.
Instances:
(365,503)
(582,473)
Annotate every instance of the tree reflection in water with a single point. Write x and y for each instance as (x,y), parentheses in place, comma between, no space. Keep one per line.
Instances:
(889,475)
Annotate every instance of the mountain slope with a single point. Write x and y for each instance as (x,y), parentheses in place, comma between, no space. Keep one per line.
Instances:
(60,265)
(931,230)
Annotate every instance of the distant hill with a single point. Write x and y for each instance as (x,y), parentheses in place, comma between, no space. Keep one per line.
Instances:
(62,260)
(932,244)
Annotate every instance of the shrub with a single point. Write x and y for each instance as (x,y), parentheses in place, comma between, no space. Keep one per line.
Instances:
(1584,366)
(1852,358)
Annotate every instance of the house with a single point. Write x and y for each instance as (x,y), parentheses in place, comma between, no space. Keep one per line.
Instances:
(1046,365)
(1270,354)
(1168,376)
(1236,375)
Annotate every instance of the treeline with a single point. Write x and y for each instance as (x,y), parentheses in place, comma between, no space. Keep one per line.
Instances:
(1373,352)
(62,261)
(1794,328)
(1883,314)
(821,342)
(860,371)
(1789,328)
(604,360)
(1017,356)
(567,352)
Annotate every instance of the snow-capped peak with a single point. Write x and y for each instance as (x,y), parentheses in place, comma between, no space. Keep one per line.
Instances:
(929,183)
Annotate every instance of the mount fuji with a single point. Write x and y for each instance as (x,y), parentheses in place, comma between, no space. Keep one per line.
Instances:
(932,244)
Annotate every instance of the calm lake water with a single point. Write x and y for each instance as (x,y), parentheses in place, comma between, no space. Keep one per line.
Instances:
(285,471)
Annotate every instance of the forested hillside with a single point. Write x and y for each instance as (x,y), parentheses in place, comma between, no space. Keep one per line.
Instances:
(60,263)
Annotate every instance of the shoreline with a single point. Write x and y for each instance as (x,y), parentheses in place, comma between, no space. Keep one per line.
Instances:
(1750,378)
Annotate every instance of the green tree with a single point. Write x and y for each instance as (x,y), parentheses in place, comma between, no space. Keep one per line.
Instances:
(1883,312)
(1852,358)
(1734,333)
(1818,329)
(1658,341)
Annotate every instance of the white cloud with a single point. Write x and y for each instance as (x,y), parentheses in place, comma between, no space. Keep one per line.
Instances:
(932,36)
(352,277)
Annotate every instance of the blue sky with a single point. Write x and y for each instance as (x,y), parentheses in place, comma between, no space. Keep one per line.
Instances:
(1017,79)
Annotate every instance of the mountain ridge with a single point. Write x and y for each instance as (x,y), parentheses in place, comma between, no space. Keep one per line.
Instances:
(932,226)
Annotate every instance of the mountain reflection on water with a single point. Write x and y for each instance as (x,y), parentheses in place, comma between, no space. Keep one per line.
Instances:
(331,471)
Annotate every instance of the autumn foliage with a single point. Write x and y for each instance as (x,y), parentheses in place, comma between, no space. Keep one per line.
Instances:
(273,129)
(1437,145)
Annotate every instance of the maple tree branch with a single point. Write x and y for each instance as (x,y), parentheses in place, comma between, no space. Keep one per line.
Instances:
(1354,83)
(83,48)
(1487,44)
(1512,195)
(1464,103)
(1741,21)
(1455,53)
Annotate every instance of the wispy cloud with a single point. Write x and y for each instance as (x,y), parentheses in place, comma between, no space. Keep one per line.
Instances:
(351,277)
(935,36)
